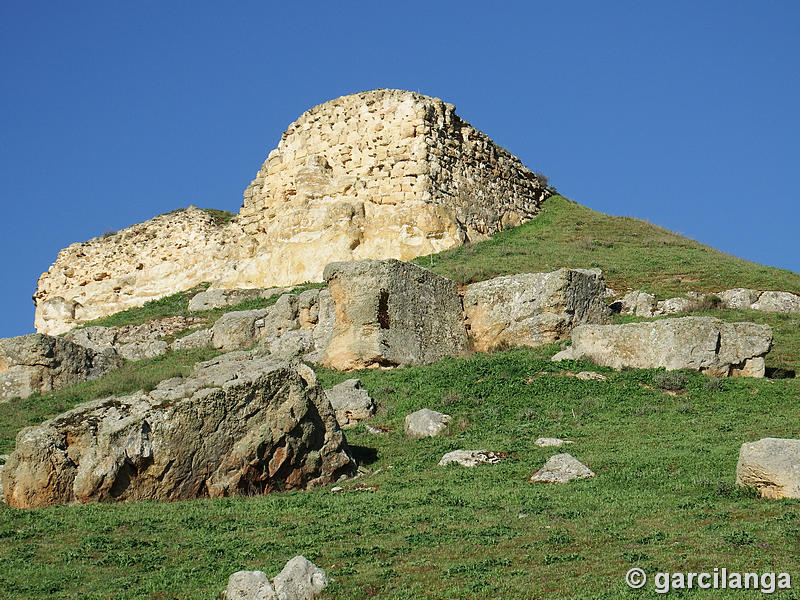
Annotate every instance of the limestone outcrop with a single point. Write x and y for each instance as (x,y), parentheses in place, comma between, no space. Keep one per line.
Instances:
(380,174)
(771,466)
(41,363)
(240,424)
(107,274)
(643,304)
(390,313)
(701,344)
(532,309)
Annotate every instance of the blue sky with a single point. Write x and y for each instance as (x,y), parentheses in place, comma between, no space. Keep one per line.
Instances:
(681,113)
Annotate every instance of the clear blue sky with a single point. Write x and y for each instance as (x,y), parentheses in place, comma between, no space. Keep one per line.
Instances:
(681,113)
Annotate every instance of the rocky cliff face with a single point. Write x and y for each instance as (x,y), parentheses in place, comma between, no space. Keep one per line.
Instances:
(381,174)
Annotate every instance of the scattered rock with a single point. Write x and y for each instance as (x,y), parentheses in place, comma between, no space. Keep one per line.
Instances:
(590,376)
(532,309)
(470,458)
(546,442)
(375,430)
(240,424)
(351,402)
(41,363)
(772,466)
(391,313)
(674,306)
(198,339)
(638,303)
(237,330)
(702,344)
(561,468)
(300,579)
(425,423)
(249,585)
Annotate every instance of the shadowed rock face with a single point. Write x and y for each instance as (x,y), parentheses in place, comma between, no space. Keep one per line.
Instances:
(392,313)
(701,344)
(239,425)
(41,363)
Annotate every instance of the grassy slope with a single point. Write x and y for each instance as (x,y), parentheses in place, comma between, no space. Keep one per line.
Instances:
(663,498)
(633,254)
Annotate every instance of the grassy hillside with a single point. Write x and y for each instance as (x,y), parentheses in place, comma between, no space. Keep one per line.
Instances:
(633,254)
(663,498)
(664,447)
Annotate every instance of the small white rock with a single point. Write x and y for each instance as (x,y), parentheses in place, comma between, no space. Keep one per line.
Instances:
(561,468)
(547,442)
(469,458)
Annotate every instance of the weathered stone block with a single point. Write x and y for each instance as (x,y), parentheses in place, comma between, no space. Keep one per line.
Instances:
(532,309)
(392,313)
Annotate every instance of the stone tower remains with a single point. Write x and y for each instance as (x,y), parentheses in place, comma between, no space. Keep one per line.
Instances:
(380,174)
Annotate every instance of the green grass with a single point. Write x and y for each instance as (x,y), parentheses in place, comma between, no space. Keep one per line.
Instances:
(178,305)
(663,498)
(132,376)
(632,254)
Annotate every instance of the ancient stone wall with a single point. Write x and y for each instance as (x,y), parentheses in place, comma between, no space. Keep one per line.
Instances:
(107,274)
(380,174)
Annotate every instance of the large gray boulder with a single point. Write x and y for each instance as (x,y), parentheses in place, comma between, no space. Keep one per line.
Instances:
(701,344)
(300,579)
(351,402)
(780,302)
(769,301)
(240,424)
(238,330)
(41,363)
(532,309)
(772,466)
(249,585)
(391,313)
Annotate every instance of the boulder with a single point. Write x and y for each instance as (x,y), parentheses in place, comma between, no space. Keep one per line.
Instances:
(532,309)
(219,298)
(469,458)
(249,585)
(391,313)
(738,298)
(238,330)
(561,468)
(638,303)
(674,306)
(772,466)
(240,424)
(351,402)
(39,363)
(701,344)
(780,302)
(425,423)
(198,339)
(300,579)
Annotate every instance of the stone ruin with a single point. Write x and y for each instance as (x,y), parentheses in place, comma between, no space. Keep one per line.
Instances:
(380,174)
